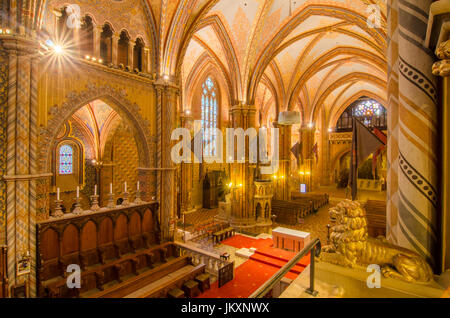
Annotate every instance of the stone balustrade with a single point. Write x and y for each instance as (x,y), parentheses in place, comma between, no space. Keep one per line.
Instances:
(212,261)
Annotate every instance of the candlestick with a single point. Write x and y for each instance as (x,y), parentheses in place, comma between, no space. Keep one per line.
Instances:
(111,204)
(78,209)
(78,192)
(138,200)
(95,190)
(57,194)
(110,188)
(57,212)
(125,201)
(94,200)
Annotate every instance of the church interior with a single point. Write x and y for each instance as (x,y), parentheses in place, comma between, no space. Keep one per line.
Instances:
(224,149)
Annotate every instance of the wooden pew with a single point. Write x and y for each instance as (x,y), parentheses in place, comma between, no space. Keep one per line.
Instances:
(144,279)
(288,212)
(116,273)
(107,245)
(175,280)
(376,217)
(318,200)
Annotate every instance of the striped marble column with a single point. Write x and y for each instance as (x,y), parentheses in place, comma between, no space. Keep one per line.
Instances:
(413,132)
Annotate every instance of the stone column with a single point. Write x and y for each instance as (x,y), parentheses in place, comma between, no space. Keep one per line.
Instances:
(282,191)
(307,138)
(442,68)
(166,108)
(97,30)
(114,49)
(21,57)
(130,54)
(412,145)
(186,170)
(243,116)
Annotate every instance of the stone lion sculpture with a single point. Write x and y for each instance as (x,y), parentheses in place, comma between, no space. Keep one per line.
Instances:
(350,245)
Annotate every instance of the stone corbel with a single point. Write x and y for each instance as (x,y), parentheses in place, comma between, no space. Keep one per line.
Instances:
(442,68)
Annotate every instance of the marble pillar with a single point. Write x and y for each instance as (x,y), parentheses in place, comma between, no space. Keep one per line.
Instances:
(412,131)
(166,109)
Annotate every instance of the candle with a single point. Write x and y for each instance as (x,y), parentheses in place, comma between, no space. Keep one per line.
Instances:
(95,190)
(138,185)
(57,194)
(110,188)
(125,186)
(78,192)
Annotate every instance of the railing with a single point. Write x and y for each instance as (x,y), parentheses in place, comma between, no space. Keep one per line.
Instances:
(314,247)
(212,261)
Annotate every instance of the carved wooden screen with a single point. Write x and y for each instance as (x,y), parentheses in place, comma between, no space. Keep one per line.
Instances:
(226,274)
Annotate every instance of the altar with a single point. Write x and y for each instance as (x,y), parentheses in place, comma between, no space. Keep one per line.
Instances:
(288,239)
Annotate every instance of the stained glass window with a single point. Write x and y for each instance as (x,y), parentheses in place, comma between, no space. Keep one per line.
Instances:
(65,160)
(366,110)
(209,116)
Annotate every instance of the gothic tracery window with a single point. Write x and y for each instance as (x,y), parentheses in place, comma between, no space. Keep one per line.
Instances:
(366,110)
(65,160)
(209,116)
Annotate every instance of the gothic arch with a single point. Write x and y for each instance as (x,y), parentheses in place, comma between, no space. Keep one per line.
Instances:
(335,113)
(117,100)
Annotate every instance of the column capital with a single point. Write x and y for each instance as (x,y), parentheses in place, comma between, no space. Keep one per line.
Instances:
(18,45)
(442,68)
(162,84)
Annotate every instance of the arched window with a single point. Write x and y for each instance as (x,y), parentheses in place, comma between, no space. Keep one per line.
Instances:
(138,53)
(122,49)
(87,36)
(209,116)
(106,44)
(65,160)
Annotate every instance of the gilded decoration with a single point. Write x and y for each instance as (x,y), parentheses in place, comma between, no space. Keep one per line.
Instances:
(351,246)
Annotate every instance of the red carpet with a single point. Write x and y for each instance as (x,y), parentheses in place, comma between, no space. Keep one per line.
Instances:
(240,241)
(257,270)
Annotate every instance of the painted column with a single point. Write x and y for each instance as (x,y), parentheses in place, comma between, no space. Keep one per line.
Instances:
(167,99)
(442,68)
(186,169)
(307,139)
(3,141)
(97,30)
(412,146)
(21,143)
(243,116)
(282,191)
(114,49)
(130,54)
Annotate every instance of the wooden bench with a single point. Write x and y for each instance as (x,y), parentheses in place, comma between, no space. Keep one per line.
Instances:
(223,234)
(175,280)
(318,200)
(94,278)
(288,212)
(147,277)
(110,246)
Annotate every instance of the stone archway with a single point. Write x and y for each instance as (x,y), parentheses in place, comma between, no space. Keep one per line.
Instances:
(116,99)
(129,112)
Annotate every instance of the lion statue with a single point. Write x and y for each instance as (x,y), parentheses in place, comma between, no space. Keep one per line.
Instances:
(350,245)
